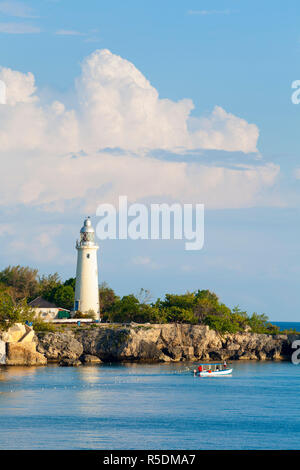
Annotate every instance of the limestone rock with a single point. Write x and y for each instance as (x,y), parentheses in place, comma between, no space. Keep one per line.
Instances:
(23,354)
(57,346)
(2,352)
(14,333)
(89,359)
(28,337)
(162,343)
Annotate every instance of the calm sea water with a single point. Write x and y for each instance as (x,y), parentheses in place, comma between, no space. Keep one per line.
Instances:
(136,406)
(287,325)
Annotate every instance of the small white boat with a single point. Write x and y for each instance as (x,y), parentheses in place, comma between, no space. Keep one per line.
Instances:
(213,370)
(215,373)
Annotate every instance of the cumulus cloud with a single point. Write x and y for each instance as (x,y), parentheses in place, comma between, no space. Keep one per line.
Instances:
(224,131)
(53,156)
(120,105)
(20,87)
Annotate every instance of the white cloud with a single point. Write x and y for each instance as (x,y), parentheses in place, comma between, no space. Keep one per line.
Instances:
(17,9)
(120,106)
(20,87)
(18,28)
(41,246)
(145,261)
(116,106)
(208,12)
(224,131)
(69,32)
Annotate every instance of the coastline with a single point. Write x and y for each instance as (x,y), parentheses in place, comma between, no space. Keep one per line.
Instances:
(143,343)
(160,343)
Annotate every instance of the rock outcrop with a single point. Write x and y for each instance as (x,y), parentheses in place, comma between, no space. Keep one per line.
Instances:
(2,352)
(23,354)
(14,334)
(59,346)
(160,343)
(20,347)
(155,343)
(89,359)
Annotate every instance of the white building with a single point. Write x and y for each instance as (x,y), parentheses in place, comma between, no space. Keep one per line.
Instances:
(46,310)
(87,288)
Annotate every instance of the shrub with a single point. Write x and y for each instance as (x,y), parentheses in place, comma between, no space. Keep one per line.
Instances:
(13,312)
(40,325)
(222,323)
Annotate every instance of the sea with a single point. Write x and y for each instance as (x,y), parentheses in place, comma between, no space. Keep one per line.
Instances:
(150,406)
(283,325)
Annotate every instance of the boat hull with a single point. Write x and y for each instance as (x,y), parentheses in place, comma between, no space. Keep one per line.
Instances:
(216,373)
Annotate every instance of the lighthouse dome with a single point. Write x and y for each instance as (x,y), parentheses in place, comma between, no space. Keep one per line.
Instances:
(87,226)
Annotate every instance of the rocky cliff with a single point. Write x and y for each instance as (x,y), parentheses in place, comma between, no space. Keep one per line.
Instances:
(165,343)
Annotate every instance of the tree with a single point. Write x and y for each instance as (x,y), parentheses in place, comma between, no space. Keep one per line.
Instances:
(185,301)
(64,297)
(22,280)
(48,285)
(195,306)
(71,282)
(52,289)
(179,315)
(13,312)
(144,296)
(107,299)
(222,323)
(260,324)
(129,309)
(206,303)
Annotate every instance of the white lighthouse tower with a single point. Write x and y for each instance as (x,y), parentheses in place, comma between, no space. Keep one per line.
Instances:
(86,288)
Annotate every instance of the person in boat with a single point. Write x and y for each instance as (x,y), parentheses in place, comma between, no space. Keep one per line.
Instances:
(200,369)
(225,364)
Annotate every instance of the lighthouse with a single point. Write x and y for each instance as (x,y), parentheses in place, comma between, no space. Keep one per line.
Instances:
(86,288)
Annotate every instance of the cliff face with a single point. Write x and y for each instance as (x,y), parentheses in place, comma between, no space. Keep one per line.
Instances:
(160,343)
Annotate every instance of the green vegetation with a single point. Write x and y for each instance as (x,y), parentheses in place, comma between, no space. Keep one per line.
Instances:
(107,299)
(89,314)
(40,325)
(19,282)
(25,283)
(61,294)
(290,331)
(19,285)
(199,307)
(13,312)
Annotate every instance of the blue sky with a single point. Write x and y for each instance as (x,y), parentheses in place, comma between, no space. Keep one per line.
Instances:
(242,162)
